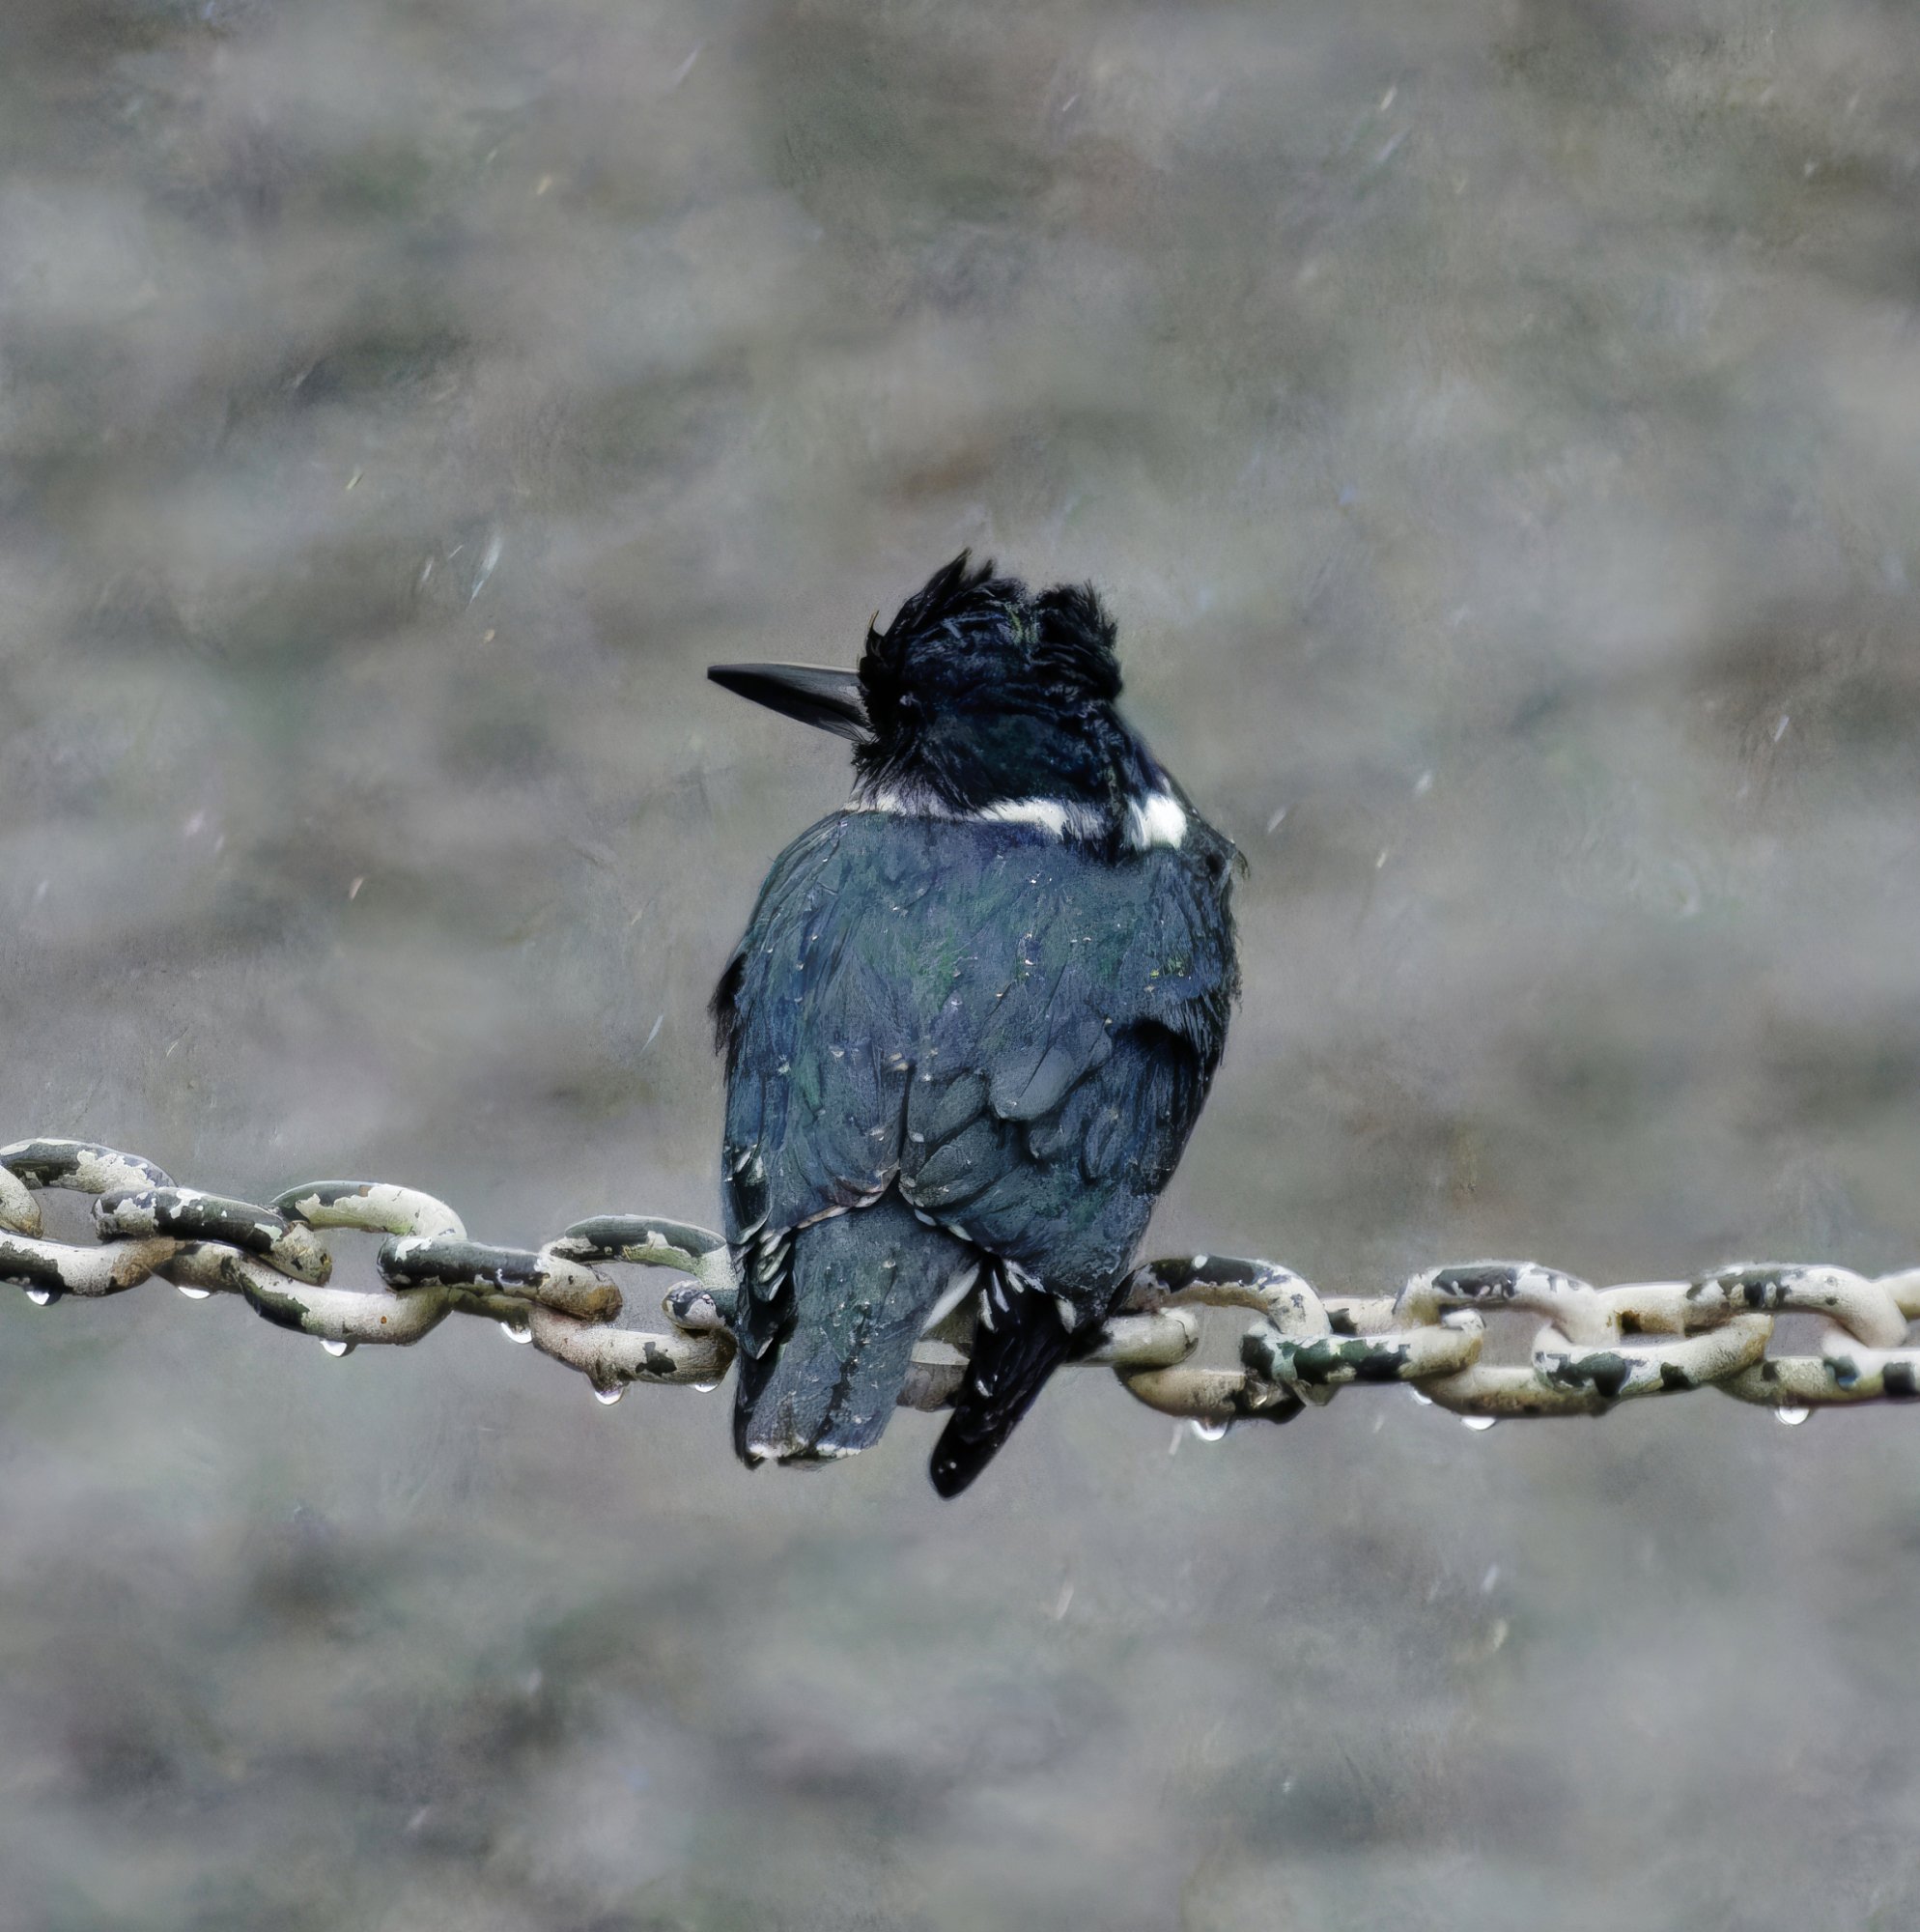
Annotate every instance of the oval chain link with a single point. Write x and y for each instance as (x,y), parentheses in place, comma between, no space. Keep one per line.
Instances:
(1593,1348)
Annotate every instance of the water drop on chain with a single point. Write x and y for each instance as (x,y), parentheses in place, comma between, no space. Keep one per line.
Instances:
(517,1331)
(706,1388)
(1208,1431)
(1479,1423)
(193,1294)
(40,1296)
(1792,1417)
(608,1392)
(336,1348)
(1425,1401)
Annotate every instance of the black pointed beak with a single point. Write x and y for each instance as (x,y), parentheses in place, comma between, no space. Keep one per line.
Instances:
(814,694)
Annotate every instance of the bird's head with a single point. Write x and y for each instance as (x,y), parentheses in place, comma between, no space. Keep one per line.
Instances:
(981,699)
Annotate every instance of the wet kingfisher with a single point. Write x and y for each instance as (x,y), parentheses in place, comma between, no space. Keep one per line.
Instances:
(970,1026)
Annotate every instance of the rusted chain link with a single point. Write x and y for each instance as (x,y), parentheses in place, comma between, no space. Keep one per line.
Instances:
(1595,1348)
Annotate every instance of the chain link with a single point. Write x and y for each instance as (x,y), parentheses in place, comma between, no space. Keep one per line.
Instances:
(1594,1347)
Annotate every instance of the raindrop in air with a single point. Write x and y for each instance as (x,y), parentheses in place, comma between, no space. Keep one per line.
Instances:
(1792,1417)
(516,1331)
(1478,1423)
(608,1392)
(336,1348)
(1210,1431)
(1425,1401)
(40,1296)
(191,1292)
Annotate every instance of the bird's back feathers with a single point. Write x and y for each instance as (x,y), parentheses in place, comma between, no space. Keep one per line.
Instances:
(994,1038)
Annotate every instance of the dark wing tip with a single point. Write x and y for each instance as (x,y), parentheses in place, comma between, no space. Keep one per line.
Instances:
(1009,1365)
(953,1467)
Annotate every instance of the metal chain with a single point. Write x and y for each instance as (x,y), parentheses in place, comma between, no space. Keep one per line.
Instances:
(1597,1347)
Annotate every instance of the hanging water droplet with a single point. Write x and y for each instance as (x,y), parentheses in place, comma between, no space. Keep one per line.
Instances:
(608,1392)
(40,1296)
(706,1388)
(1425,1401)
(336,1348)
(516,1331)
(193,1294)
(1479,1422)
(1208,1431)
(1792,1417)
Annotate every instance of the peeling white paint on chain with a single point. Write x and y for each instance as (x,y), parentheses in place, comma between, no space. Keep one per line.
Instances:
(1594,1347)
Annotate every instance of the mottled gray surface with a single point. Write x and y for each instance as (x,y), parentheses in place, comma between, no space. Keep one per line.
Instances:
(1498,428)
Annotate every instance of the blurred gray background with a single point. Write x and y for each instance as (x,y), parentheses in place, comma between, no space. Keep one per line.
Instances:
(1497,428)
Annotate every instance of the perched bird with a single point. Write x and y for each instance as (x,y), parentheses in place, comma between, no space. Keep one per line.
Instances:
(970,1026)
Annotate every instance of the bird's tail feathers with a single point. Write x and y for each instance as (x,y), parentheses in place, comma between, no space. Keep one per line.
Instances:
(863,1284)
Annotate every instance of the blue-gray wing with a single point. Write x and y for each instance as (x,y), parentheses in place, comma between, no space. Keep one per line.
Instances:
(1014,1031)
